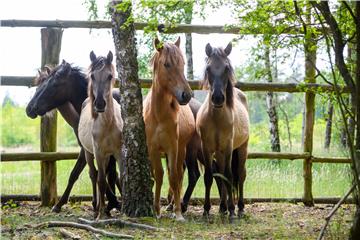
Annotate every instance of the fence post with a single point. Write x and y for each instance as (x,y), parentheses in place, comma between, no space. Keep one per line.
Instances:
(50,51)
(310,73)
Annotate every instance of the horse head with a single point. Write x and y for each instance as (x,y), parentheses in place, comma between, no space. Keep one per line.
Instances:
(219,75)
(102,78)
(168,67)
(52,90)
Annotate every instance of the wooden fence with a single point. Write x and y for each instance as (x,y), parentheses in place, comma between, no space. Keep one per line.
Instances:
(51,33)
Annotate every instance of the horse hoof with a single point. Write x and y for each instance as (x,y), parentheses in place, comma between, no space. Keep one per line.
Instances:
(183,208)
(241,213)
(180,218)
(170,208)
(206,214)
(56,209)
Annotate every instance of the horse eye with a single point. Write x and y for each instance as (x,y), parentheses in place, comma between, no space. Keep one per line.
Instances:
(167,65)
(110,77)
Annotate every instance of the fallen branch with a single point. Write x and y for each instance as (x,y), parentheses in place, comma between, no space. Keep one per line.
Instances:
(119,223)
(332,212)
(81,226)
(67,234)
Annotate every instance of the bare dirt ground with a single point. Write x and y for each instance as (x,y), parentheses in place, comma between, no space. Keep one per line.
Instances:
(261,221)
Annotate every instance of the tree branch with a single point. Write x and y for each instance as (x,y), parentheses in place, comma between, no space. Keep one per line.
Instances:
(333,211)
(350,11)
(80,226)
(119,223)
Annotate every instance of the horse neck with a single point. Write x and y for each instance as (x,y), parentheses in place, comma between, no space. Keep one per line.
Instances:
(162,101)
(79,92)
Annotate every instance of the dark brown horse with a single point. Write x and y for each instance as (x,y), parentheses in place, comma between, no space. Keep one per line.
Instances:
(223,125)
(65,88)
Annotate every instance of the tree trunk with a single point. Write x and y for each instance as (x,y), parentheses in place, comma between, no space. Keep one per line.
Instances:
(50,47)
(136,178)
(355,229)
(328,128)
(271,108)
(188,44)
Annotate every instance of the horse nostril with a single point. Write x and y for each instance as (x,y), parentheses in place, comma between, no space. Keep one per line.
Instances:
(186,96)
(218,99)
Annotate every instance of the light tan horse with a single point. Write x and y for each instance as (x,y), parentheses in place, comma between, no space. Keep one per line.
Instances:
(223,125)
(100,127)
(169,122)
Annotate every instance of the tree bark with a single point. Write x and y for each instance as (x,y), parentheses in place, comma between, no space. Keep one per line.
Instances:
(328,128)
(188,44)
(271,106)
(136,178)
(50,51)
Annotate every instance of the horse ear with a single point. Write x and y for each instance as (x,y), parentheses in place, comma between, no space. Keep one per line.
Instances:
(228,49)
(66,68)
(109,57)
(63,62)
(157,44)
(177,43)
(208,49)
(47,69)
(39,72)
(92,56)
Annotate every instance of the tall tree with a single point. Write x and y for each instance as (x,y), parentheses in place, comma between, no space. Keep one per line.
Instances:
(137,183)
(188,43)
(271,105)
(340,36)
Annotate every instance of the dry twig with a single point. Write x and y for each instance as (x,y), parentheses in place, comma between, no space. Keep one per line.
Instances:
(335,208)
(67,234)
(81,226)
(119,223)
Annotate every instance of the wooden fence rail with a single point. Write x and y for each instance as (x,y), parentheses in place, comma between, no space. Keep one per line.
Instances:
(58,156)
(310,88)
(28,81)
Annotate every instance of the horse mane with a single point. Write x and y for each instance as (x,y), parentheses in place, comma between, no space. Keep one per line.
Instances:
(75,73)
(98,64)
(229,71)
(171,54)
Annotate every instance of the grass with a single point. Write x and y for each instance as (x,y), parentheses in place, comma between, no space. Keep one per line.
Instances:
(264,179)
(261,221)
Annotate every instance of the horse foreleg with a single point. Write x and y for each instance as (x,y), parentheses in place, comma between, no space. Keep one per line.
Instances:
(102,162)
(158,173)
(208,179)
(221,180)
(74,175)
(93,176)
(179,179)
(229,176)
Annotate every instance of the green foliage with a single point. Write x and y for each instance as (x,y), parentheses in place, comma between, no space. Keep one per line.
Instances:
(18,130)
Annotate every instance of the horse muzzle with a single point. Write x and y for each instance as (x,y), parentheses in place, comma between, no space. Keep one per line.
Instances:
(184,97)
(99,105)
(31,112)
(218,100)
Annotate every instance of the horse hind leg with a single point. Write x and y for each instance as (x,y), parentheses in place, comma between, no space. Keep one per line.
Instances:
(158,172)
(74,175)
(193,175)
(112,177)
(102,184)
(239,172)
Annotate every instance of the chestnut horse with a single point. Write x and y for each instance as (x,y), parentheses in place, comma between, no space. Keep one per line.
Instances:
(223,125)
(100,127)
(169,122)
(65,87)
